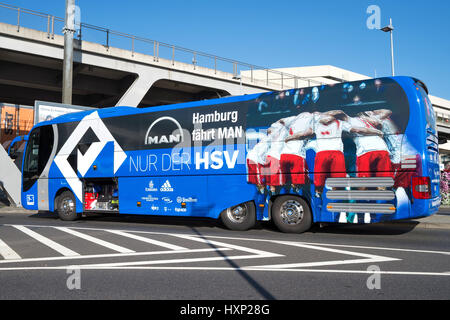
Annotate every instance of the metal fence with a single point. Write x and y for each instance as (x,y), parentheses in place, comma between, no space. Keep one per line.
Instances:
(239,71)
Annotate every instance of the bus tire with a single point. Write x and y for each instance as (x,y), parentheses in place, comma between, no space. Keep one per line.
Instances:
(239,218)
(291,214)
(66,207)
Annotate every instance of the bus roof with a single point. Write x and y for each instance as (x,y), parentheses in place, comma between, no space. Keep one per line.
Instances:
(124,110)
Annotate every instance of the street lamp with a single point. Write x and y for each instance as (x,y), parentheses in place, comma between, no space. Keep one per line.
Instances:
(390,28)
(69,30)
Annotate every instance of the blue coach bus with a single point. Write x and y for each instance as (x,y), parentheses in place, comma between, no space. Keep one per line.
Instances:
(357,152)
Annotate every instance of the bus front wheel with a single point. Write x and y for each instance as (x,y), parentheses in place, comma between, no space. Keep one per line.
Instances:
(240,218)
(66,207)
(291,214)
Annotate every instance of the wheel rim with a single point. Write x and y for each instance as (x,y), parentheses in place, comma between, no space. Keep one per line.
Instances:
(237,214)
(67,206)
(291,212)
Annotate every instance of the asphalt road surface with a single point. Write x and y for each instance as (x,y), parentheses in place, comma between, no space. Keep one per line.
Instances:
(133,257)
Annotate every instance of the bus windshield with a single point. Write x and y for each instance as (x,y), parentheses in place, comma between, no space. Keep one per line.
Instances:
(39,148)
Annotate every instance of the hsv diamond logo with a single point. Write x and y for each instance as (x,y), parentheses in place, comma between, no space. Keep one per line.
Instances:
(84,161)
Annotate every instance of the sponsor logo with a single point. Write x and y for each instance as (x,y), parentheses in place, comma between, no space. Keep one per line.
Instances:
(151,187)
(180,210)
(167,200)
(154,208)
(166,187)
(30,199)
(152,139)
(183,199)
(149,198)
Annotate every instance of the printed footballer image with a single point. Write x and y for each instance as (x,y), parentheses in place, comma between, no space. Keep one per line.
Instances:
(313,141)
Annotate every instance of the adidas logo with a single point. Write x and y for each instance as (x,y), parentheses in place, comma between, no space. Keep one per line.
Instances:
(166,187)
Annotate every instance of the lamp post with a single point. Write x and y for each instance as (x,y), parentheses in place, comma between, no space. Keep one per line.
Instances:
(390,29)
(69,30)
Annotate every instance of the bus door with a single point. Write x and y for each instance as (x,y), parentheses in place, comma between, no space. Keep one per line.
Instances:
(36,167)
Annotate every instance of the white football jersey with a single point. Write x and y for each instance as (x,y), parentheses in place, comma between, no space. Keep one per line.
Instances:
(277,141)
(270,143)
(392,137)
(301,123)
(259,151)
(366,143)
(329,137)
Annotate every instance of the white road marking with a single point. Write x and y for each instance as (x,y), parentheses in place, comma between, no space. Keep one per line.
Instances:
(184,268)
(363,258)
(260,253)
(374,248)
(7,252)
(113,255)
(48,242)
(170,261)
(256,240)
(100,242)
(255,254)
(326,244)
(368,258)
(147,240)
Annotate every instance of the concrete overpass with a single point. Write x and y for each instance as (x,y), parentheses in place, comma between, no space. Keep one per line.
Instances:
(31,68)
(31,62)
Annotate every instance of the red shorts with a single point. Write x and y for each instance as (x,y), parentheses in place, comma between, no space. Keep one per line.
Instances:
(271,172)
(253,172)
(374,164)
(293,168)
(328,164)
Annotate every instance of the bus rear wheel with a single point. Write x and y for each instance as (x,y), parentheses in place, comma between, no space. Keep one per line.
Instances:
(291,214)
(241,217)
(66,207)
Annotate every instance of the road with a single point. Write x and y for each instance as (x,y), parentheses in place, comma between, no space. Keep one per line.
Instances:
(133,257)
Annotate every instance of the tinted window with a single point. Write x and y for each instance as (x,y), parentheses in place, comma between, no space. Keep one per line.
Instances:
(429,111)
(39,148)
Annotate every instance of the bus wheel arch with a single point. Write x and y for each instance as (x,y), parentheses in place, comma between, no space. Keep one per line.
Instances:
(240,217)
(65,205)
(291,213)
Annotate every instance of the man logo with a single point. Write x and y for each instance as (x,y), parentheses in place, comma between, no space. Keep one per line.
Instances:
(167,138)
(166,187)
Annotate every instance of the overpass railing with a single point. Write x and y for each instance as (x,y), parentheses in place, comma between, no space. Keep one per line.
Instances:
(237,70)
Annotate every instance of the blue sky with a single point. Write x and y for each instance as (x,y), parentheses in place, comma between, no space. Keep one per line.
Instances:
(287,33)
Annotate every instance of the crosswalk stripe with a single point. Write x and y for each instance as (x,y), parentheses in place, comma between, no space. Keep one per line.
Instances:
(7,252)
(49,243)
(147,240)
(96,240)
